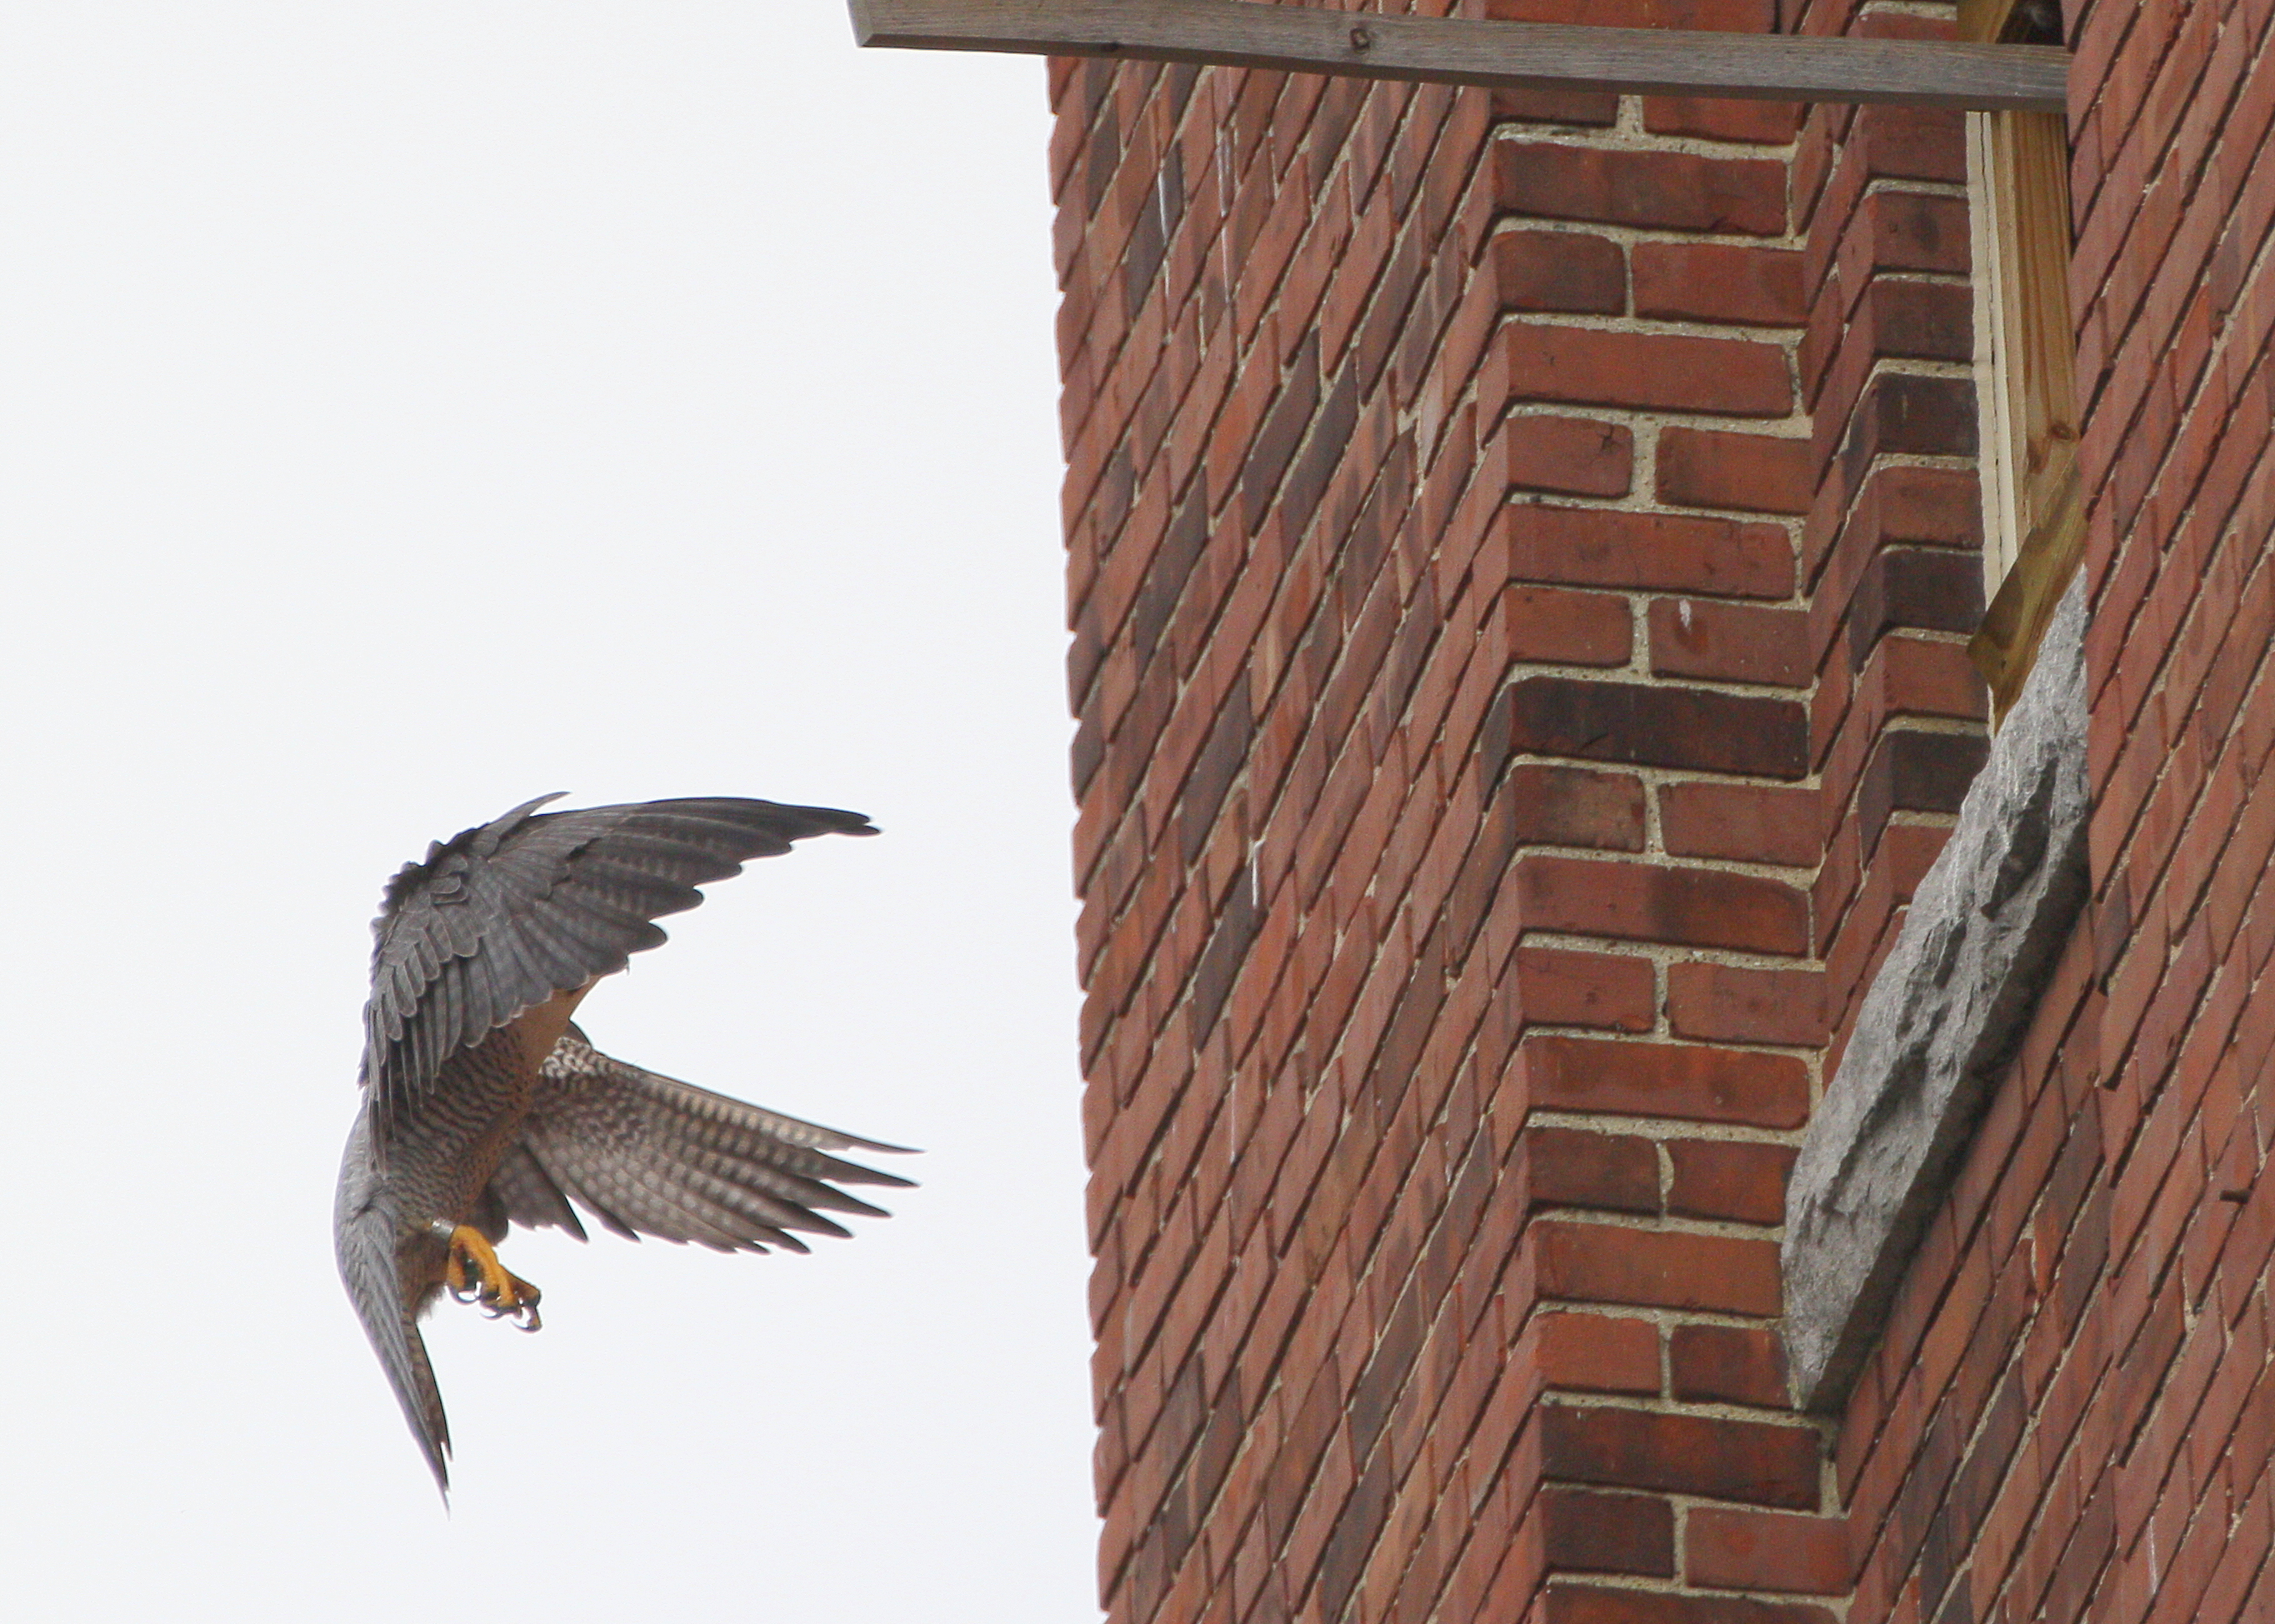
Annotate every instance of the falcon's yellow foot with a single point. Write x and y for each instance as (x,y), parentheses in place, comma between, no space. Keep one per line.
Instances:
(475,1275)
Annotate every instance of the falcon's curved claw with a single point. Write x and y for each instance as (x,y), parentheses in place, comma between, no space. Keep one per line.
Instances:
(475,1275)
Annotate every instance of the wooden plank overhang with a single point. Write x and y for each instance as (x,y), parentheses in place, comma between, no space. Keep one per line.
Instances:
(1494,54)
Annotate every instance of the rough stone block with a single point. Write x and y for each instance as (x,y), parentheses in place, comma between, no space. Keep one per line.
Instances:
(1943,1017)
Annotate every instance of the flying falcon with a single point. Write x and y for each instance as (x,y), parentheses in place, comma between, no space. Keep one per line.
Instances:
(484,1106)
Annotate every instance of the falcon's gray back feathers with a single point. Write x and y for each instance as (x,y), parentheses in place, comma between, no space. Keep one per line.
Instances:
(498,918)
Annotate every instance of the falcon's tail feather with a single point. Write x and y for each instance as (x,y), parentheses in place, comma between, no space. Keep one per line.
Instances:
(367,1234)
(646,1154)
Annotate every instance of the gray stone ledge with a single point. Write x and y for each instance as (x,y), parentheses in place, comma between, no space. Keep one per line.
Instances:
(1941,1020)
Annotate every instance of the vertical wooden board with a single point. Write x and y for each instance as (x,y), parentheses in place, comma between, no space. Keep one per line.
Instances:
(2020,181)
(2037,190)
(1993,400)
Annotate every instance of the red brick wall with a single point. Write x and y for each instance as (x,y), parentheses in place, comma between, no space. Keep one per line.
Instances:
(2071,1411)
(1891,549)
(1520,553)
(1438,466)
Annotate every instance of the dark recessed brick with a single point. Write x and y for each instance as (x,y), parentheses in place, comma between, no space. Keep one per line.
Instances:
(1912,770)
(1585,1532)
(1927,589)
(1571,1167)
(1595,108)
(1581,1603)
(1659,726)
(1274,445)
(1905,412)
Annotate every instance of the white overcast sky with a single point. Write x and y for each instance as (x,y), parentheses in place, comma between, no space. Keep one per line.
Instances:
(408,407)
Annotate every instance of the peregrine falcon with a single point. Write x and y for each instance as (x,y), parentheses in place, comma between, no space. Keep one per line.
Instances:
(484,1106)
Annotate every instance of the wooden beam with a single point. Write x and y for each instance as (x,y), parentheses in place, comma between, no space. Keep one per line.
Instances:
(1498,55)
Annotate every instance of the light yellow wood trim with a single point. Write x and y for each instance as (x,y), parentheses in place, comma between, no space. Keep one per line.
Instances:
(1993,397)
(2006,645)
(2019,188)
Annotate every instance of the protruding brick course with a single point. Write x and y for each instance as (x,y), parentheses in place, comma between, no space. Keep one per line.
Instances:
(1753,1462)
(1685,1082)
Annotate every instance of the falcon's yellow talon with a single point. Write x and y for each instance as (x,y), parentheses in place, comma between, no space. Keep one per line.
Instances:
(474,1274)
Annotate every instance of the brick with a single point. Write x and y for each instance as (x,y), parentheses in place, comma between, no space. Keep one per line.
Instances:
(1656,1268)
(1714,282)
(1575,1603)
(1635,902)
(1572,806)
(1564,271)
(1906,414)
(1727,1003)
(1282,431)
(1717,119)
(1728,1179)
(1735,1365)
(1464,1046)
(1585,1532)
(1928,320)
(1598,108)
(1914,587)
(1728,16)
(1754,1462)
(1941,507)
(1912,143)
(1748,823)
(1660,552)
(1917,231)
(1911,771)
(1555,987)
(1653,725)
(1744,474)
(1665,189)
(1558,626)
(1595,1353)
(1571,1167)
(1570,456)
(1729,642)
(1758,1550)
(1672,371)
(1925,678)
(1663,1080)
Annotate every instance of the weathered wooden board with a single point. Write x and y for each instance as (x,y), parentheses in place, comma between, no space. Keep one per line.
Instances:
(1495,55)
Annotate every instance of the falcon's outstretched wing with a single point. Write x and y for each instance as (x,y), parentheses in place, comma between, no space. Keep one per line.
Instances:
(499,919)
(649,1155)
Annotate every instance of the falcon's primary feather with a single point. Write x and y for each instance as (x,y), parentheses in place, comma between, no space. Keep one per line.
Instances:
(484,1108)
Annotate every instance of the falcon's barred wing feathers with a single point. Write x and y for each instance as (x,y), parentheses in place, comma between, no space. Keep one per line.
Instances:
(499,919)
(646,1154)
